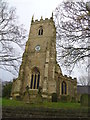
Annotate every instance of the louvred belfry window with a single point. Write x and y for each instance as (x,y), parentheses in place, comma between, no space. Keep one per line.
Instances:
(40,32)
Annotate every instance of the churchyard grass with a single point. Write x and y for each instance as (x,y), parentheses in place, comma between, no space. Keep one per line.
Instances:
(63,105)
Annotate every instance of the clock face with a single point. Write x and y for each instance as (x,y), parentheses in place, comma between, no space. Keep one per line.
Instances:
(37,48)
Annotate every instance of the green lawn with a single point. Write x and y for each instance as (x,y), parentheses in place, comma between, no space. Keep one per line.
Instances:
(14,103)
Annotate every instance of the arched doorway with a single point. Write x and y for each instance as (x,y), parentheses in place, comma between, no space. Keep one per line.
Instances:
(35,79)
(64,88)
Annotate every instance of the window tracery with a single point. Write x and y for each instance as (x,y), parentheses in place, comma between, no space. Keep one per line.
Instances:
(35,78)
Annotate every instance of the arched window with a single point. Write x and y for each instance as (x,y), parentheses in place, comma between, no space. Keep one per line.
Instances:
(64,88)
(35,78)
(40,32)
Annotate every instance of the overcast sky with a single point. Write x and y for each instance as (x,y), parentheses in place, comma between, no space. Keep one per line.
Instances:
(25,9)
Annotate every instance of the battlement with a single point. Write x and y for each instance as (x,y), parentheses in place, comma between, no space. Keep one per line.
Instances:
(70,77)
(41,19)
(75,79)
(65,75)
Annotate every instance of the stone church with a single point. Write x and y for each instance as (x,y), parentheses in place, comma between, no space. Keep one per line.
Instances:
(39,68)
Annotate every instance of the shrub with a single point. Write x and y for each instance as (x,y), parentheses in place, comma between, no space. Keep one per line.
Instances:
(54,97)
(6,92)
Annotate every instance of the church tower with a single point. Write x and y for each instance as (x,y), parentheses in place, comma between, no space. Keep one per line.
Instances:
(39,59)
(39,69)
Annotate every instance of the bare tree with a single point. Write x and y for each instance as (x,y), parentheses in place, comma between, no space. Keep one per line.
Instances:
(73,33)
(83,80)
(12,38)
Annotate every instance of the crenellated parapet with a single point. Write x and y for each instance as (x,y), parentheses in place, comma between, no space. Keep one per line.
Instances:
(42,20)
